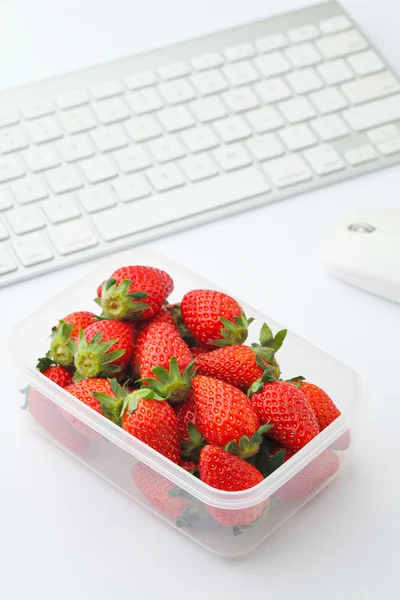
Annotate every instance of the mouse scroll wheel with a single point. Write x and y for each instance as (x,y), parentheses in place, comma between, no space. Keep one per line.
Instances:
(362,227)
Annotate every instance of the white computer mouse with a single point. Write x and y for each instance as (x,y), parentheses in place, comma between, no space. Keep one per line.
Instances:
(364,250)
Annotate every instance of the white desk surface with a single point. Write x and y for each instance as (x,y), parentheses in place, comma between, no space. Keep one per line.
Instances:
(65,533)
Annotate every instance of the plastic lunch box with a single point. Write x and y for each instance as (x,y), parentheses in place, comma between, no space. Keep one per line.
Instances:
(111,452)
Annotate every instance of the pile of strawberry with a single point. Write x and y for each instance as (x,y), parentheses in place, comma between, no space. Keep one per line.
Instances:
(180,378)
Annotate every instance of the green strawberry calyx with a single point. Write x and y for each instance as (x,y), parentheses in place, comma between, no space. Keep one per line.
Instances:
(111,406)
(62,344)
(234,333)
(94,358)
(45,363)
(118,302)
(267,348)
(131,401)
(191,450)
(171,384)
(269,377)
(248,447)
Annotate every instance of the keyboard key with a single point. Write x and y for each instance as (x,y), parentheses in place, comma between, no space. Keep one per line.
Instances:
(176,119)
(208,109)
(302,34)
(177,91)
(174,70)
(143,128)
(303,55)
(138,81)
(7,264)
(271,42)
(232,157)
(39,109)
(3,231)
(24,220)
(273,90)
(209,82)
(360,155)
(10,168)
(32,249)
(297,109)
(132,159)
(239,100)
(107,89)
(12,139)
(334,24)
(240,73)
(304,81)
(131,187)
(144,101)
(98,169)
(63,179)
(371,87)
(112,110)
(43,130)
(109,138)
(198,167)
(41,158)
(382,134)
(287,171)
(298,137)
(330,128)
(328,100)
(8,118)
(390,147)
(240,51)
(165,178)
(72,237)
(78,120)
(5,199)
(335,71)
(265,147)
(365,63)
(265,119)
(335,46)
(75,148)
(272,64)
(96,198)
(166,148)
(72,99)
(178,204)
(207,61)
(232,129)
(373,114)
(324,159)
(28,189)
(61,209)
(200,138)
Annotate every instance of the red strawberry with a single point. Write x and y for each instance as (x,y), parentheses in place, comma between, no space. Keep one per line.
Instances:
(200,350)
(48,416)
(214,318)
(60,375)
(176,313)
(186,413)
(154,422)
(156,489)
(89,391)
(286,408)
(311,477)
(163,316)
(325,409)
(224,471)
(134,293)
(63,335)
(104,348)
(225,415)
(189,465)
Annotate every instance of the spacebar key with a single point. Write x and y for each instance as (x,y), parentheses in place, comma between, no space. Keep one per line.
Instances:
(180,203)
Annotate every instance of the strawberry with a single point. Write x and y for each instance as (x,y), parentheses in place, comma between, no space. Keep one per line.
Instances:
(189,465)
(325,409)
(225,416)
(186,413)
(104,348)
(224,471)
(286,408)
(214,318)
(134,293)
(90,391)
(311,477)
(60,375)
(176,313)
(163,361)
(156,489)
(200,350)
(63,335)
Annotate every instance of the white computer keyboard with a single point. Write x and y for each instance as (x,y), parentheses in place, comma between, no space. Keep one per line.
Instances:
(98,160)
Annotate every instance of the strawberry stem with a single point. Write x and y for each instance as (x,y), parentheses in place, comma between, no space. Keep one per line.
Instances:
(171,384)
(94,358)
(118,302)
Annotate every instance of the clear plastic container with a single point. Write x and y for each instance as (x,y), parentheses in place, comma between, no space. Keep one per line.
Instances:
(115,455)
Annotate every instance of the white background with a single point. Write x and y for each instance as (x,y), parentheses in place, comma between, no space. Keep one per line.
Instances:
(66,534)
